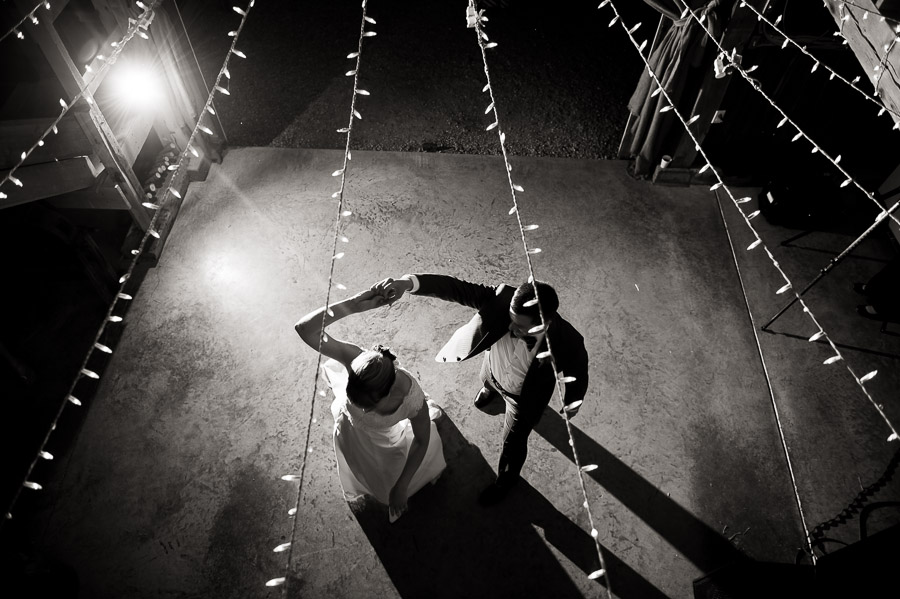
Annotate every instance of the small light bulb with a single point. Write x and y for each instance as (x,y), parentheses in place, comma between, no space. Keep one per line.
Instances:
(868,377)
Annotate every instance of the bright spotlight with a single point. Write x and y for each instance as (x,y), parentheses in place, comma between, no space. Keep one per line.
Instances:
(137,87)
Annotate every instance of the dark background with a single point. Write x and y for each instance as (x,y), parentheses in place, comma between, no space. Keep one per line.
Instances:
(561,77)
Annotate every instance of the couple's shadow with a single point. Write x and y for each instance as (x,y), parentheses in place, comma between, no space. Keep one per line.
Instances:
(449,546)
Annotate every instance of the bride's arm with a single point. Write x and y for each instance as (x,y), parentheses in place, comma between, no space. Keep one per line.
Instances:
(310,326)
(421,427)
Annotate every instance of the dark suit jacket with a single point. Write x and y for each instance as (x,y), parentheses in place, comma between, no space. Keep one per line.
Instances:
(491,322)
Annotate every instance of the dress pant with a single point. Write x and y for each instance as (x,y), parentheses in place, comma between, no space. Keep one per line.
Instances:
(520,420)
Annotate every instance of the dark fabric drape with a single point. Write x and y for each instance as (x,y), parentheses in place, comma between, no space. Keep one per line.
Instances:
(681,49)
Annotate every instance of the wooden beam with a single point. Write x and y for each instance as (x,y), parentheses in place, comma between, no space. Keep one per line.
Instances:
(50,179)
(868,38)
(18,135)
(92,120)
(103,197)
(131,134)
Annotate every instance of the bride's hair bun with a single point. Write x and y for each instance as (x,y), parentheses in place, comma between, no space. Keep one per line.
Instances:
(386,352)
(371,376)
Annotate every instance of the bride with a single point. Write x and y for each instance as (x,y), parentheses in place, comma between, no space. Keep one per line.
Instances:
(385,442)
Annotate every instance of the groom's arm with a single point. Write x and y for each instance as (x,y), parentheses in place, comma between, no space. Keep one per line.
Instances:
(442,287)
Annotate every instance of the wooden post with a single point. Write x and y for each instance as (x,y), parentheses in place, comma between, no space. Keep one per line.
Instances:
(92,121)
(868,38)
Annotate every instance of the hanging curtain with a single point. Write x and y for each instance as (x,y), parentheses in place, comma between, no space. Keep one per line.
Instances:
(681,49)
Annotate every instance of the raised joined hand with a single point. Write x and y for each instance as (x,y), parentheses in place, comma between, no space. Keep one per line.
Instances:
(369,299)
(392,290)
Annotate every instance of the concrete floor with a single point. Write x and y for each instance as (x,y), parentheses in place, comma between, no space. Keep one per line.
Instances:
(174,489)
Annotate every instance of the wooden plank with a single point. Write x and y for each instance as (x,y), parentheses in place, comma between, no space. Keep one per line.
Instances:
(50,179)
(17,136)
(868,38)
(92,121)
(103,197)
(131,133)
(56,8)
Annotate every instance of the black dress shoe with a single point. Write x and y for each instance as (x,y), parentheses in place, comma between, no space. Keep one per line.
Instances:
(860,288)
(485,396)
(494,493)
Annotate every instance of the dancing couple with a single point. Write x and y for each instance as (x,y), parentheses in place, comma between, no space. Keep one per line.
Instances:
(385,440)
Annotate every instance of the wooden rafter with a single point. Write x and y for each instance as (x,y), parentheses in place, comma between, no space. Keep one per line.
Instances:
(92,120)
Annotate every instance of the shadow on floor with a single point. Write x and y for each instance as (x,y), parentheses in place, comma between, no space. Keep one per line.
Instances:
(448,546)
(690,536)
(856,348)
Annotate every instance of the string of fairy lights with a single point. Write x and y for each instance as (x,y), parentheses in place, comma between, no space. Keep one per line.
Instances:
(785,119)
(817,63)
(83,371)
(820,331)
(137,27)
(31,15)
(734,63)
(884,213)
(168,188)
(477,21)
(342,214)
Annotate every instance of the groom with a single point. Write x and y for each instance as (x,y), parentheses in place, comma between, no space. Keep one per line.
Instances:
(508,329)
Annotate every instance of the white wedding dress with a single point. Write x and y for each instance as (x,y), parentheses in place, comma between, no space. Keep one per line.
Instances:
(372,448)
